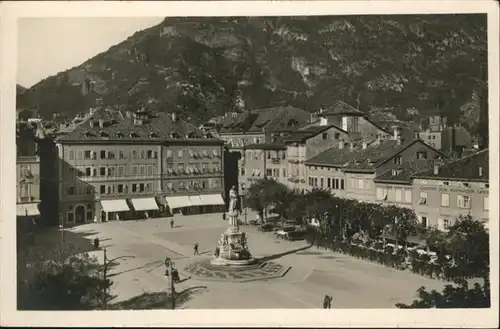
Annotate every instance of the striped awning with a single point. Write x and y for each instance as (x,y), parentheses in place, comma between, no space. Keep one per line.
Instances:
(27,209)
(212,199)
(144,204)
(114,205)
(175,202)
(196,200)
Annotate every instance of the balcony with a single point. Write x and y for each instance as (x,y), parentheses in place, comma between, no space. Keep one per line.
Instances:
(276,161)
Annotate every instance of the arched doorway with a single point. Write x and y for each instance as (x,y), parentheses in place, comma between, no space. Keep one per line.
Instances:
(80,214)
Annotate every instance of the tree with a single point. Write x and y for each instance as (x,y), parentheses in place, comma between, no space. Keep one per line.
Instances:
(468,243)
(458,296)
(73,284)
(265,193)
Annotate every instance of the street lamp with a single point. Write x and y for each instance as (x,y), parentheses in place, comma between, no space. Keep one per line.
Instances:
(169,267)
(105,272)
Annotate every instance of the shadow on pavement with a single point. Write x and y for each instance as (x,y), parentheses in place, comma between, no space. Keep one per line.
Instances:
(276,256)
(158,300)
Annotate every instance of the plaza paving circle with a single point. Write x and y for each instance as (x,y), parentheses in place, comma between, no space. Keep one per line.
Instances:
(203,269)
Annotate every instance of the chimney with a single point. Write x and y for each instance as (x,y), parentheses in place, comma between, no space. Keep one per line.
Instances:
(174,116)
(398,140)
(396,131)
(365,145)
(341,144)
(480,171)
(436,169)
(101,123)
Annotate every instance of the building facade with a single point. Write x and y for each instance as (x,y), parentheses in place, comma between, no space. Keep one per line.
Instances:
(457,188)
(140,165)
(28,186)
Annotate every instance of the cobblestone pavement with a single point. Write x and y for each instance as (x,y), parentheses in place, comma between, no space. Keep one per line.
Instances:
(353,283)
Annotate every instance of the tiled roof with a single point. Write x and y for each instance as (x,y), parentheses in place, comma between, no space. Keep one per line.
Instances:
(404,172)
(257,120)
(303,133)
(157,126)
(267,146)
(466,168)
(340,107)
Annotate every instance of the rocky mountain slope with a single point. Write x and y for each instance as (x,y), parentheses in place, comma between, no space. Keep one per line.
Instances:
(202,66)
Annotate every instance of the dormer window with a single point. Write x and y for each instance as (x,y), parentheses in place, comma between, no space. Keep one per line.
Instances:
(190,135)
(119,134)
(134,135)
(103,134)
(397,160)
(88,134)
(153,135)
(209,135)
(174,135)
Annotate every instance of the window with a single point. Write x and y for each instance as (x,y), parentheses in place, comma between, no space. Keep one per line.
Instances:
(268,155)
(120,188)
(70,217)
(89,190)
(142,170)
(143,154)
(134,187)
(283,171)
(242,172)
(463,201)
(283,155)
(150,171)
(71,190)
(380,193)
(398,195)
(102,171)
(169,153)
(408,196)
(103,154)
(361,184)
(180,153)
(111,155)
(141,187)
(87,154)
(71,155)
(111,189)
(321,182)
(337,136)
(324,136)
(120,155)
(422,155)
(423,221)
(149,154)
(134,154)
(111,171)
(446,224)
(310,181)
(341,184)
(102,189)
(445,200)
(423,198)
(121,171)
(269,172)
(397,160)
(486,203)
(329,183)
(94,172)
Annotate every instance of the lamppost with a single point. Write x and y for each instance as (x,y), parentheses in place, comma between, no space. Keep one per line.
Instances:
(105,273)
(61,227)
(169,268)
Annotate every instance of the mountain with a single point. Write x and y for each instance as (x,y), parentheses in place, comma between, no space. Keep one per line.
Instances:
(204,66)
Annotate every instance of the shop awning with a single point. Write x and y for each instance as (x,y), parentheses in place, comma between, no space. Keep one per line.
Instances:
(27,209)
(144,204)
(114,205)
(196,200)
(212,199)
(175,202)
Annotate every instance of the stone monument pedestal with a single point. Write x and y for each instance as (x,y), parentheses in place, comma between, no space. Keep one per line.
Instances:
(232,248)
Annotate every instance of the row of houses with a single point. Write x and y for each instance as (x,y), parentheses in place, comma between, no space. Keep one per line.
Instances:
(342,150)
(115,165)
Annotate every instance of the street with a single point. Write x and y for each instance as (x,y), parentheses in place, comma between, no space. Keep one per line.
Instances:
(353,283)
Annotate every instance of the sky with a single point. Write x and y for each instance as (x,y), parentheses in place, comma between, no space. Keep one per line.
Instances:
(47,46)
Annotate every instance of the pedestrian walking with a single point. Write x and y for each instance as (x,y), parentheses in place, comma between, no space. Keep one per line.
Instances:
(172,223)
(330,301)
(195,248)
(223,216)
(96,243)
(325,301)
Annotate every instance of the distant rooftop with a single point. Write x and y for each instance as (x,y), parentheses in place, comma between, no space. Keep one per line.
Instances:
(474,167)
(341,108)
(142,125)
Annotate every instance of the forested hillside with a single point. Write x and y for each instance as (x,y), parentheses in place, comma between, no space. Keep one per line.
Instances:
(202,65)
